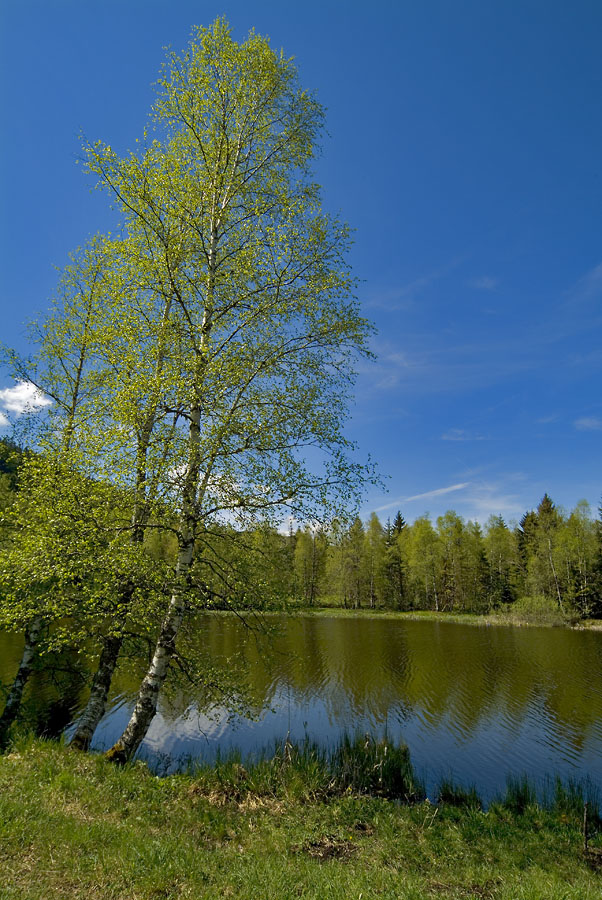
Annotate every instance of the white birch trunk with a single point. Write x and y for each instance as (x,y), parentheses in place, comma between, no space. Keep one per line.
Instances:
(90,718)
(15,695)
(87,723)
(148,695)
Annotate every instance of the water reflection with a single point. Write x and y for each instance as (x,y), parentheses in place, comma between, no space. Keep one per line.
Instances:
(477,702)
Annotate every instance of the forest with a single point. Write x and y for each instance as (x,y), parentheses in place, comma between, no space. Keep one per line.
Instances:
(550,557)
(454,565)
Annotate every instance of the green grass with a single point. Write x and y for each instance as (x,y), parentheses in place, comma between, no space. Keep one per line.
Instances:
(522,612)
(300,824)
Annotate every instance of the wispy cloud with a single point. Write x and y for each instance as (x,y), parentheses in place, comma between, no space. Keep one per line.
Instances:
(425,367)
(484,283)
(490,498)
(3,421)
(402,296)
(23,397)
(392,367)
(588,423)
(458,434)
(590,286)
(438,492)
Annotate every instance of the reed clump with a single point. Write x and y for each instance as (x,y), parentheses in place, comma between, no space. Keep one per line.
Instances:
(308,771)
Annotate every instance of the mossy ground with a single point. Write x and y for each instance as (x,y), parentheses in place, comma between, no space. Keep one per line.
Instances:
(74,826)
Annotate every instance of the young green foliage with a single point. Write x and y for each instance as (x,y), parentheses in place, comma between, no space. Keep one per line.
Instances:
(263,327)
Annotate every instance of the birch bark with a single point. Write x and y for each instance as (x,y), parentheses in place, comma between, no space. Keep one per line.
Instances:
(15,696)
(148,695)
(95,707)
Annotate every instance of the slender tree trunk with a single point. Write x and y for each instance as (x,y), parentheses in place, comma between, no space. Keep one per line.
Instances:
(109,656)
(312,586)
(558,594)
(101,684)
(148,695)
(96,705)
(15,695)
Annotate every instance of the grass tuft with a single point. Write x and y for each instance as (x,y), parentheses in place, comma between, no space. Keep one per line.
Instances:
(306,771)
(452,794)
(378,768)
(520,794)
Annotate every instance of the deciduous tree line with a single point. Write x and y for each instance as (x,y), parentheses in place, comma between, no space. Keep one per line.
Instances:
(448,565)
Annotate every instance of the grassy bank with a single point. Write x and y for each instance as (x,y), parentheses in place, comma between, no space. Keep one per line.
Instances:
(298,825)
(525,615)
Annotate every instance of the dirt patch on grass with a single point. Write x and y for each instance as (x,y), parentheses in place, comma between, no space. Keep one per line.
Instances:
(245,801)
(327,847)
(593,857)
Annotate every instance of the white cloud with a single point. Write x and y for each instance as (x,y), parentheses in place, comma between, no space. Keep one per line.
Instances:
(458,434)
(484,283)
(491,499)
(3,421)
(23,397)
(438,492)
(588,423)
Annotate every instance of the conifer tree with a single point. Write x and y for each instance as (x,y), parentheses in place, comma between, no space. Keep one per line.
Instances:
(395,565)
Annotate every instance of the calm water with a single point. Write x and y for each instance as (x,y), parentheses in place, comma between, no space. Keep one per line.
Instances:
(475,702)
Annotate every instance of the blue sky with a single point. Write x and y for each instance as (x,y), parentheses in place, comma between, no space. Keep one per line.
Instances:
(465,147)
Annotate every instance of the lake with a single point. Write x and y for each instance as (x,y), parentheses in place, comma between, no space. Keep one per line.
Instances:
(474,702)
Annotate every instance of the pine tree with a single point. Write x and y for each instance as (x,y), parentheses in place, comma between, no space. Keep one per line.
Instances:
(394,577)
(399,524)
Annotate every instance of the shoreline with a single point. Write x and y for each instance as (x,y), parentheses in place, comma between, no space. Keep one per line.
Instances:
(461,618)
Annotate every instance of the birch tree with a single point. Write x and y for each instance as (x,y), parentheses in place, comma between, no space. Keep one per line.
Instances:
(76,529)
(375,555)
(34,564)
(263,329)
